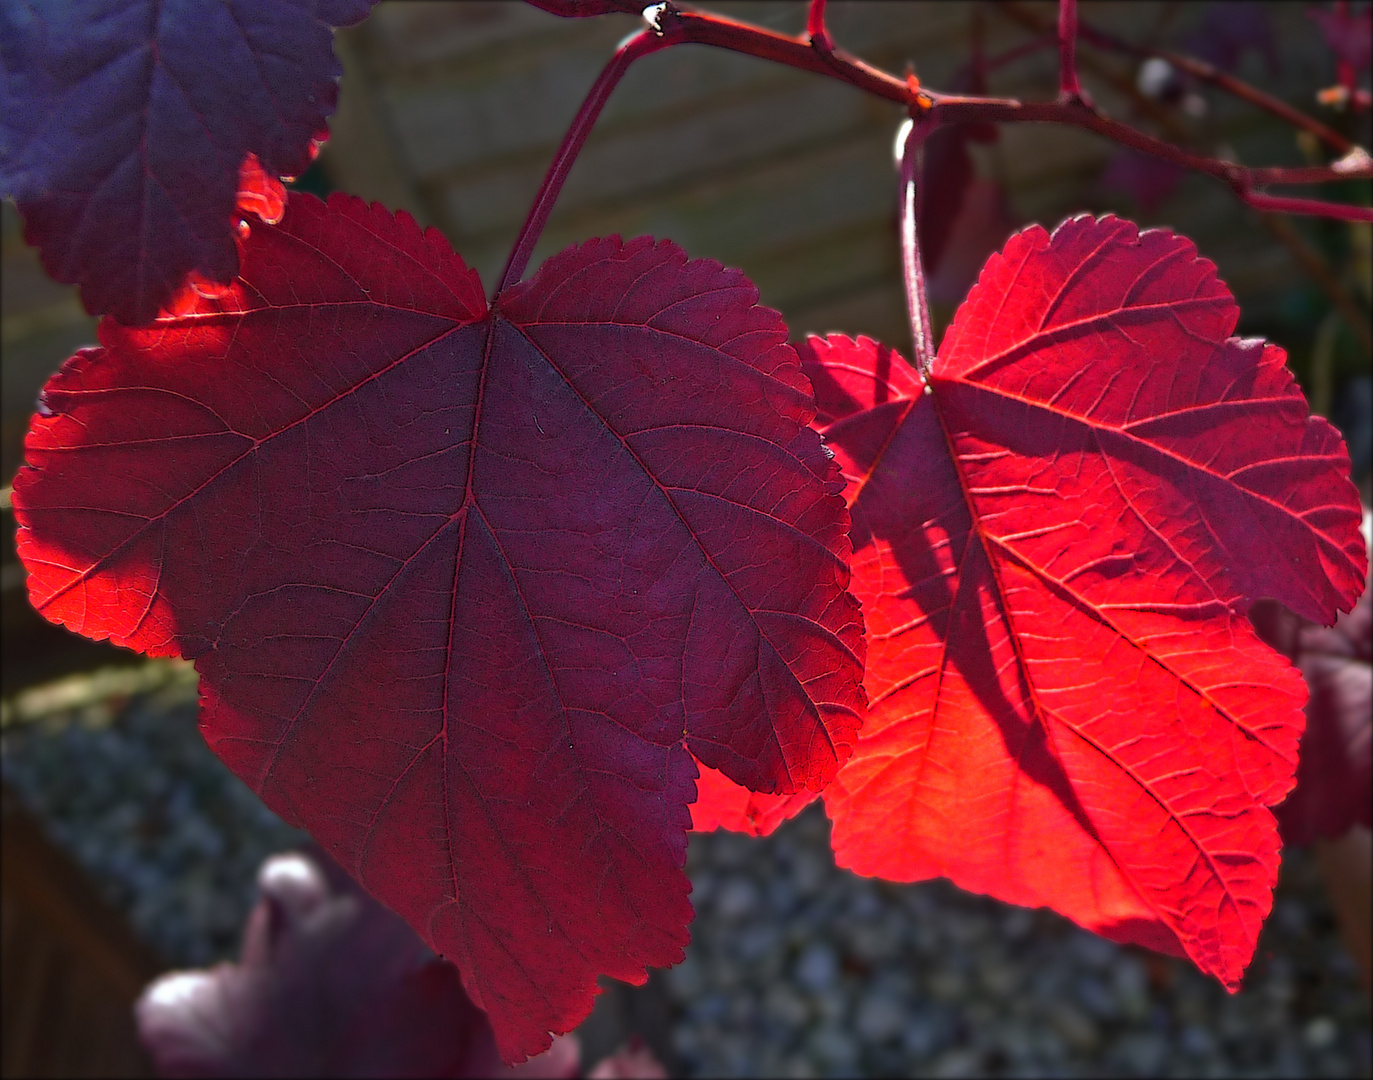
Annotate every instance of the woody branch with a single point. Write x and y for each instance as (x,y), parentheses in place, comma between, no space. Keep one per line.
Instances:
(816,51)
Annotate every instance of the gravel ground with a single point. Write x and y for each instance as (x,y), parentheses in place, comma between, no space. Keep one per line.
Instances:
(114,767)
(795,969)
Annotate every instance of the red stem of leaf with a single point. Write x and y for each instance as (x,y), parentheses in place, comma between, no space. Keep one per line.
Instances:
(1068,88)
(815,26)
(913,270)
(641,44)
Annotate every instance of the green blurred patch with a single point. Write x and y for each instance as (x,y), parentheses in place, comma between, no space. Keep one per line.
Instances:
(93,699)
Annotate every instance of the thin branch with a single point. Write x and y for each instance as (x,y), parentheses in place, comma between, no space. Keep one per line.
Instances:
(1069,91)
(1207,73)
(1284,205)
(910,143)
(816,32)
(1355,165)
(725,33)
(641,44)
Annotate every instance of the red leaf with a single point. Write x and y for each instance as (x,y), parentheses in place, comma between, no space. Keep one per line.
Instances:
(124,132)
(1054,547)
(723,804)
(465,587)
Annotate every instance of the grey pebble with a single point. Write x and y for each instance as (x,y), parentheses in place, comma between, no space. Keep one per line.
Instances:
(818,967)
(879,1016)
(736,899)
(875,979)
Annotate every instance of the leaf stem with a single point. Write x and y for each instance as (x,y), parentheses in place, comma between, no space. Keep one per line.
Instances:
(1069,90)
(646,41)
(815,27)
(910,142)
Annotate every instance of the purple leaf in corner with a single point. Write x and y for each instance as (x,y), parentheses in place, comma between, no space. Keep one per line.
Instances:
(123,127)
(330,983)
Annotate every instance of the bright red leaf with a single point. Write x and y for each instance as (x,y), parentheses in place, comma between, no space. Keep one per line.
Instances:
(124,127)
(1054,547)
(723,804)
(467,589)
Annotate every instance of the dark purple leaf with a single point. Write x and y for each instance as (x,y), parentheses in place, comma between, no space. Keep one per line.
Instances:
(330,983)
(1334,789)
(126,122)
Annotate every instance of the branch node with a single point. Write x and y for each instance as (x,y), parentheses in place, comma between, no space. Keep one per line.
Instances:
(654,14)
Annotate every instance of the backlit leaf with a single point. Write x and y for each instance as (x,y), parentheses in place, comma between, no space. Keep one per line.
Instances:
(723,804)
(468,588)
(1055,547)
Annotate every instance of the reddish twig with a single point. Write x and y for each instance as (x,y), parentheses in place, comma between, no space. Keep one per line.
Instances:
(1284,205)
(815,51)
(910,143)
(796,52)
(815,27)
(1069,91)
(1355,165)
(1207,73)
(641,44)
